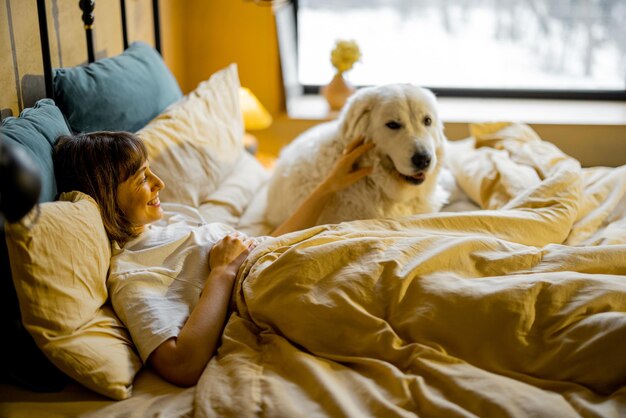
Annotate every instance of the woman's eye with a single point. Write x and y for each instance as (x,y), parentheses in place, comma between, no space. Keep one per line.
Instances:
(428,120)
(393,125)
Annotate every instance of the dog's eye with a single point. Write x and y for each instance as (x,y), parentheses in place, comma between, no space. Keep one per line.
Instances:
(428,120)
(393,125)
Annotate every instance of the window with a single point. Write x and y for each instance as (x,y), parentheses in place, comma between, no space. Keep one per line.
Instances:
(489,48)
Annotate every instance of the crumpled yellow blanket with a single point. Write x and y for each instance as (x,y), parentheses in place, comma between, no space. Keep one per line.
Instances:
(515,310)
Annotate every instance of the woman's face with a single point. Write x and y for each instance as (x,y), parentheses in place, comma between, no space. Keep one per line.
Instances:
(138,197)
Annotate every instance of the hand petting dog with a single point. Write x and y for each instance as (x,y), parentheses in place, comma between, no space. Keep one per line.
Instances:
(344,173)
(402,170)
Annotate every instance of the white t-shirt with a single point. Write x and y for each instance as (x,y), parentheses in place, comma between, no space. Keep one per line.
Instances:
(155,280)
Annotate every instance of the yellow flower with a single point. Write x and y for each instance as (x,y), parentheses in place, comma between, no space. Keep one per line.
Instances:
(345,54)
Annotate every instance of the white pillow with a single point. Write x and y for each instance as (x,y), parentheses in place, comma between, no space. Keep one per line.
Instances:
(228,203)
(194,144)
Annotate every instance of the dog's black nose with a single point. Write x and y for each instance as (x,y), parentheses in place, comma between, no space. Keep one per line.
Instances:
(421,160)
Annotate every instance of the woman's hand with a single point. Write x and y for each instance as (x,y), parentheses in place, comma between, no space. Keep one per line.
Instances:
(182,359)
(230,252)
(343,173)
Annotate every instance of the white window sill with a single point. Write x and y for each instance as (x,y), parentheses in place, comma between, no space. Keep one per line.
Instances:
(470,110)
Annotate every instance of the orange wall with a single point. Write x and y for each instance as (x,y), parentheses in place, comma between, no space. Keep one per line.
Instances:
(209,35)
(203,36)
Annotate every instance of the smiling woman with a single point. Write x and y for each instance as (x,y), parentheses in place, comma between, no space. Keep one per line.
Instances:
(170,282)
(138,197)
(116,162)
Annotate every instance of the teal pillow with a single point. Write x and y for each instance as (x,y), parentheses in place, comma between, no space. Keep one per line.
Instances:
(21,361)
(121,93)
(36,131)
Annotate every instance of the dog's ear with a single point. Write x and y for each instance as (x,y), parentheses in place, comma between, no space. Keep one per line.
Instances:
(439,133)
(355,115)
(440,136)
(442,142)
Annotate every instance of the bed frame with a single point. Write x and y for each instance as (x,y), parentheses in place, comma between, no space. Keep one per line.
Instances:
(9,303)
(88,18)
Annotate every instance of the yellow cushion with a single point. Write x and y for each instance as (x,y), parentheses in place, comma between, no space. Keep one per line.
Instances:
(194,144)
(59,258)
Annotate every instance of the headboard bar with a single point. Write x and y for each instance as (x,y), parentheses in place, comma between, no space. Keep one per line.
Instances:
(124,26)
(45,46)
(157,25)
(88,17)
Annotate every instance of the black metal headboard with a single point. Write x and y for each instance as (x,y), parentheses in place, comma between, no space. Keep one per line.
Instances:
(87,7)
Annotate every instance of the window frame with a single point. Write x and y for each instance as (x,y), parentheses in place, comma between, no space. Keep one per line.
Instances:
(552,94)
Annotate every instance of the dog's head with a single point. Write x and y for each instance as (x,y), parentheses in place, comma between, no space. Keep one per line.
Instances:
(402,120)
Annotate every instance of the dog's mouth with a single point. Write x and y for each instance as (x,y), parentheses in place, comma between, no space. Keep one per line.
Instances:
(415,179)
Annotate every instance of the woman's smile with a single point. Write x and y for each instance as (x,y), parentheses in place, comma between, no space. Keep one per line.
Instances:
(155,202)
(138,197)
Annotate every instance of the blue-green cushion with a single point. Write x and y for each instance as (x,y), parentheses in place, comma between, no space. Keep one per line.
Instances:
(121,93)
(21,362)
(36,131)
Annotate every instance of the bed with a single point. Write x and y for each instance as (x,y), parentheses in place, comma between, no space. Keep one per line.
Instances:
(509,303)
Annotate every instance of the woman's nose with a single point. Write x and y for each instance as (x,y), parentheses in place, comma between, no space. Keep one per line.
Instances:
(158,184)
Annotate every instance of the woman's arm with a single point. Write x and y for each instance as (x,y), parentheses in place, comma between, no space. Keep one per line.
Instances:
(182,359)
(341,176)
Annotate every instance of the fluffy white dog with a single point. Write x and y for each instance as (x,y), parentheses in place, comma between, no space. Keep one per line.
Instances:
(402,121)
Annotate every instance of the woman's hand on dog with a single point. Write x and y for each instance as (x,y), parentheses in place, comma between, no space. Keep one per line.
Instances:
(344,173)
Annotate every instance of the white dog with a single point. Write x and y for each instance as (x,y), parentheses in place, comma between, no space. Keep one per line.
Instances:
(402,121)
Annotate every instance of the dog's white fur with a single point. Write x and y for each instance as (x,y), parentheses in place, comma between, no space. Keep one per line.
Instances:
(384,193)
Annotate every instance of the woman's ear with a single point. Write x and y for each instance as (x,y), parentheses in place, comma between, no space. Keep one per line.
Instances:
(355,115)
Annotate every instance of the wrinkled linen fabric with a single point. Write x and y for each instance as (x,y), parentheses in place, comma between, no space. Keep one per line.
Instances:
(516,310)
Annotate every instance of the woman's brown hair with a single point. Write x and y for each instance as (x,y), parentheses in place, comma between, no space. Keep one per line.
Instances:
(96,163)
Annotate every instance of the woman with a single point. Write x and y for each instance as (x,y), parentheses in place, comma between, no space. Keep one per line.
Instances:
(170,283)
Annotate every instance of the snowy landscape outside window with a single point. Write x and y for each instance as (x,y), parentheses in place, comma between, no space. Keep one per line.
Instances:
(548,48)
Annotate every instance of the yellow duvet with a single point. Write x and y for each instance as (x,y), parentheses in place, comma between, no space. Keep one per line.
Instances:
(515,310)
